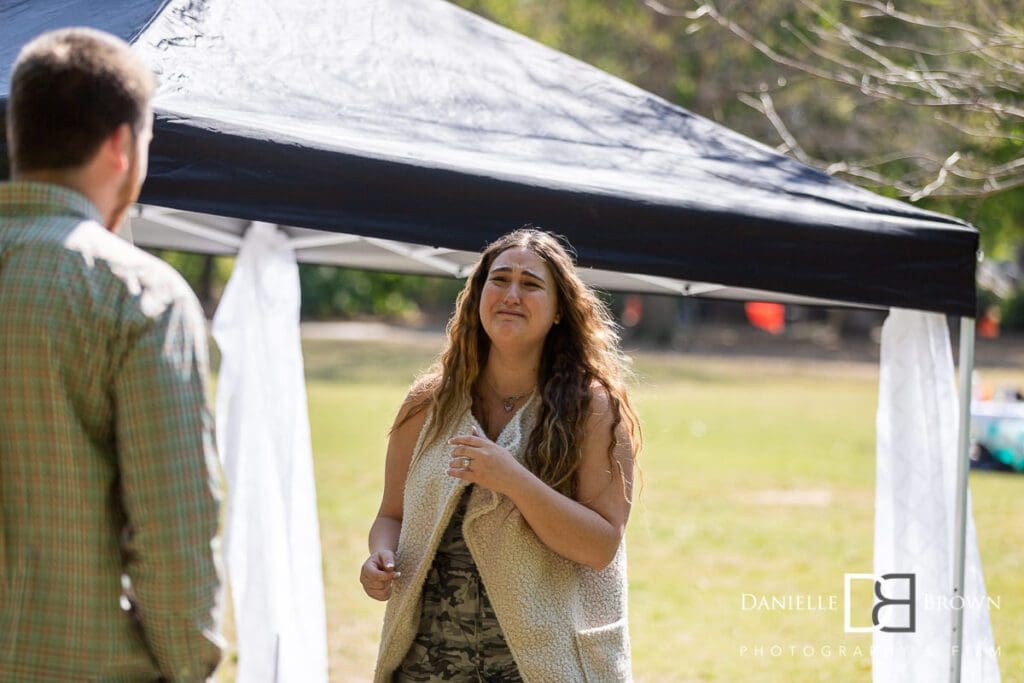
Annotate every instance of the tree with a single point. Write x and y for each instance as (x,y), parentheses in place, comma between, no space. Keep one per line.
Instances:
(922,101)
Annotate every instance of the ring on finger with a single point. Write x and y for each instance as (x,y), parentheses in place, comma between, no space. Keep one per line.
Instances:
(465,461)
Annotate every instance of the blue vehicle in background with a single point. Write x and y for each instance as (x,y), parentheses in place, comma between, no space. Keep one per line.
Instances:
(997,435)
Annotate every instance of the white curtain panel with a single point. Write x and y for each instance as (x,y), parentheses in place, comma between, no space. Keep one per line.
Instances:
(915,510)
(272,535)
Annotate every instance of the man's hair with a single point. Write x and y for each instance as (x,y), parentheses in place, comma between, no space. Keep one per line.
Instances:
(70,90)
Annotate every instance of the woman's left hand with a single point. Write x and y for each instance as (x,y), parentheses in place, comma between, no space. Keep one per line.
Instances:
(478,460)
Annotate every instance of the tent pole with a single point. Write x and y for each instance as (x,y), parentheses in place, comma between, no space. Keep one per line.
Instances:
(960,521)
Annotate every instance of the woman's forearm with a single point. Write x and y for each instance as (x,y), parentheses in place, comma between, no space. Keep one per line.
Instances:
(566,526)
(384,534)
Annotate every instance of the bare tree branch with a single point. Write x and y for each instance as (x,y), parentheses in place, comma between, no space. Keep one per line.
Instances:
(889,10)
(765,105)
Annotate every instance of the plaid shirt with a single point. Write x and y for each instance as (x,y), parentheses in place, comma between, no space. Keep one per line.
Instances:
(110,487)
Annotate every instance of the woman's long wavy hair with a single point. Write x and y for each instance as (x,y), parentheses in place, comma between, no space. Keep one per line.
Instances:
(580,351)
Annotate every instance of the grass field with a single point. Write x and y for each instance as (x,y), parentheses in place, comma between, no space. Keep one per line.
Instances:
(758,478)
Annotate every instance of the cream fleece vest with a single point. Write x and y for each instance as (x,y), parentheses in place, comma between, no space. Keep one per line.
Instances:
(563,621)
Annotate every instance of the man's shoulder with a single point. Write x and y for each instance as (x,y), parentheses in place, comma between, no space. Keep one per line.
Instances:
(153,282)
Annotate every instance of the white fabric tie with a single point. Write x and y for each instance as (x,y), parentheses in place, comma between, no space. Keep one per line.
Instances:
(272,535)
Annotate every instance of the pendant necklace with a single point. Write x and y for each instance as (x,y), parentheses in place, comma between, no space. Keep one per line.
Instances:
(510,402)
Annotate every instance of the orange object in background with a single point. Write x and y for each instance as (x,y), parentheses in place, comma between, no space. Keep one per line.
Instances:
(767,316)
(633,312)
(988,323)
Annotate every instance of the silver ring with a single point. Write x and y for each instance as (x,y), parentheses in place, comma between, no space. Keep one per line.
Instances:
(465,461)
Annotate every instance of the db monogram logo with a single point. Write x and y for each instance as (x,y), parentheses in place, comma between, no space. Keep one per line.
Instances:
(888,613)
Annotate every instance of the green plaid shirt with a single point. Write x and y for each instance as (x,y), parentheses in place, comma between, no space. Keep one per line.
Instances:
(110,487)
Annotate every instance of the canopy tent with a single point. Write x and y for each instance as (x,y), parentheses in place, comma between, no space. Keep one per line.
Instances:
(405,134)
(418,122)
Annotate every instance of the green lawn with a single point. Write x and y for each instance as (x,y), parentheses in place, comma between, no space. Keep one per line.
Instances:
(758,478)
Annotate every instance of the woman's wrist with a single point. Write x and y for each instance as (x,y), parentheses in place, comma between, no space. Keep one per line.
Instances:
(520,482)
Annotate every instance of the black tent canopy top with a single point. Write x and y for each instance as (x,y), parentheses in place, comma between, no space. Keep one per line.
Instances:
(416,122)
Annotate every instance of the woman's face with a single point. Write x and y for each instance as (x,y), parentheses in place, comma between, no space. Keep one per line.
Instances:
(519,300)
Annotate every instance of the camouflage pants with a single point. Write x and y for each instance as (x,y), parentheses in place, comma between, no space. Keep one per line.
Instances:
(458,638)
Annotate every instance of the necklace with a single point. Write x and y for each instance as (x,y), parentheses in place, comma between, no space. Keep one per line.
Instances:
(508,403)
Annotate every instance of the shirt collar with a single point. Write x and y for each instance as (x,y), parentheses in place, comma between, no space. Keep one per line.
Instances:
(26,198)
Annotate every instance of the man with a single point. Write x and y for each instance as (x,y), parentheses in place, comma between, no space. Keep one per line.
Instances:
(110,487)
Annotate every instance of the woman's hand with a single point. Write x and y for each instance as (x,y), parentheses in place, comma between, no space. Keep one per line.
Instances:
(378,574)
(478,460)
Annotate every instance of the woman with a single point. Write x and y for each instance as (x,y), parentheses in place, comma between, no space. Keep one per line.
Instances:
(499,540)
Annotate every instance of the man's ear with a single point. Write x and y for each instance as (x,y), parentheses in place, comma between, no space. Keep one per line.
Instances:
(117,148)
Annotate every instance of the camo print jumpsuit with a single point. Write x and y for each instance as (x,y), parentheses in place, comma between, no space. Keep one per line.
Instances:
(458,638)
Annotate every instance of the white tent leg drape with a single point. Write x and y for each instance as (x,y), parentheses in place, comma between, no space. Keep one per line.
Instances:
(917,462)
(272,535)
